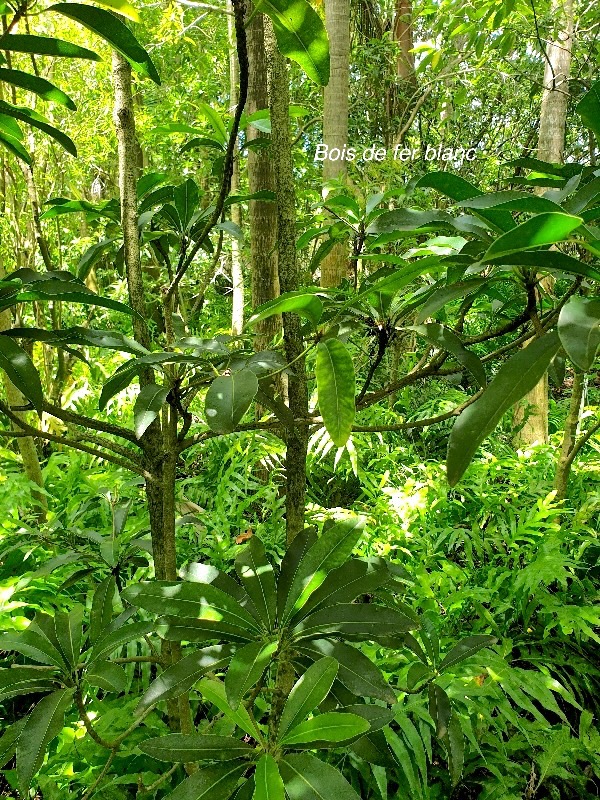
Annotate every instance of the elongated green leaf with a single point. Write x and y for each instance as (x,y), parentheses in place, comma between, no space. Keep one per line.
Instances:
(513,201)
(300,35)
(102,608)
(512,382)
(183,629)
(24,680)
(107,676)
(290,563)
(307,305)
(446,294)
(455,745)
(14,146)
(588,109)
(115,639)
(9,739)
(123,7)
(212,783)
(69,633)
(307,693)
(549,259)
(465,649)
(180,677)
(330,727)
(258,578)
(446,340)
(197,572)
(40,86)
(20,369)
(186,198)
(308,778)
(112,30)
(377,716)
(214,692)
(355,671)
(109,340)
(228,399)
(439,709)
(176,747)
(38,121)
(543,229)
(194,600)
(43,724)
(268,784)
(70,292)
(405,759)
(147,407)
(579,330)
(328,552)
(415,743)
(59,207)
(355,621)
(336,386)
(33,645)
(45,46)
(246,669)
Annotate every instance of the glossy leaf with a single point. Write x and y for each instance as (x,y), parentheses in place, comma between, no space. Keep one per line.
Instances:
(258,578)
(34,645)
(180,677)
(147,407)
(513,380)
(69,633)
(444,339)
(336,387)
(268,784)
(102,607)
(107,676)
(110,28)
(177,747)
(115,639)
(186,198)
(446,294)
(15,147)
(43,724)
(183,629)
(328,552)
(45,46)
(543,229)
(246,669)
(212,783)
(228,398)
(512,201)
(329,727)
(8,741)
(20,369)
(455,745)
(307,305)
(38,121)
(308,778)
(24,680)
(288,568)
(579,330)
(465,649)
(68,291)
(214,692)
(40,86)
(439,709)
(355,621)
(300,35)
(588,109)
(307,693)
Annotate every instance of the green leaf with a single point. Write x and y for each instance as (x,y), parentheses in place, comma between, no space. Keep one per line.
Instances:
(212,783)
(214,692)
(20,369)
(588,109)
(177,747)
(8,741)
(43,724)
(15,147)
(446,294)
(408,220)
(180,677)
(34,645)
(377,716)
(336,386)
(455,746)
(355,670)
(357,621)
(92,255)
(45,46)
(246,669)
(110,28)
(513,380)
(512,201)
(194,600)
(186,198)
(147,407)
(228,398)
(122,7)
(579,330)
(102,608)
(549,259)
(69,633)
(178,629)
(329,727)
(439,709)
(288,568)
(258,579)
(300,35)
(214,120)
(107,676)
(307,693)
(328,552)
(306,305)
(38,121)
(68,291)
(81,336)
(24,680)
(538,231)
(115,639)
(40,86)
(466,648)
(308,778)
(444,339)
(268,784)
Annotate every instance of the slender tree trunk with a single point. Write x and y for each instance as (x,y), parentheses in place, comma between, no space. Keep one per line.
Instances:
(551,147)
(563,467)
(289,279)
(261,177)
(334,266)
(237,272)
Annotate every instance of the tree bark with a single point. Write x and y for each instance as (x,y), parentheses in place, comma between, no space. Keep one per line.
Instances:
(237,272)
(551,147)
(565,460)
(289,278)
(334,266)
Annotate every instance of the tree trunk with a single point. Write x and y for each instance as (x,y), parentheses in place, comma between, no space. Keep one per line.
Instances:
(261,177)
(289,278)
(551,147)
(334,266)
(565,460)
(237,272)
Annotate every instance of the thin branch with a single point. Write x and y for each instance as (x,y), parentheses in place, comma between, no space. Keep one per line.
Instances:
(89,422)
